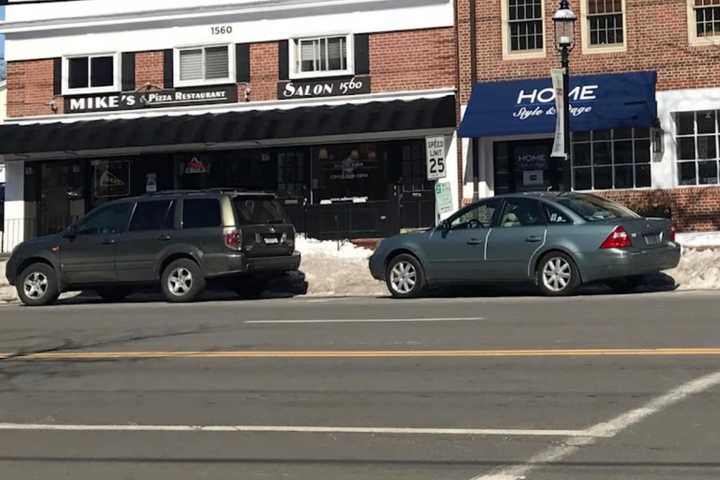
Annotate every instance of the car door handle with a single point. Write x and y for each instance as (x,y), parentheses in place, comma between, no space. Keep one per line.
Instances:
(164,237)
(533,239)
(109,241)
(474,241)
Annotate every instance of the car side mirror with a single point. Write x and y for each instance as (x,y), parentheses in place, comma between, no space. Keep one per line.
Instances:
(444,226)
(70,232)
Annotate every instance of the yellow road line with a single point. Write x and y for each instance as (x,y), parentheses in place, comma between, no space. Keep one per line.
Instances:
(539,353)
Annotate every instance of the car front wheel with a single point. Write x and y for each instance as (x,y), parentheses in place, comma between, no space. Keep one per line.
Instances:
(557,275)
(182,281)
(38,285)
(405,277)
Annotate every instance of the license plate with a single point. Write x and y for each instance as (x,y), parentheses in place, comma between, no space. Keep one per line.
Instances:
(271,241)
(652,239)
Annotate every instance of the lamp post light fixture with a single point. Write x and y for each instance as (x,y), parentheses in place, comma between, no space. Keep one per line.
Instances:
(564,20)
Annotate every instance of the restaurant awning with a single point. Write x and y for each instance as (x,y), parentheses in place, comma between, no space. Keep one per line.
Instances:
(598,102)
(41,139)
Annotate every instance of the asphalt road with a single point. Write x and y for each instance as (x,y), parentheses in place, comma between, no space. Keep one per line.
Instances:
(595,387)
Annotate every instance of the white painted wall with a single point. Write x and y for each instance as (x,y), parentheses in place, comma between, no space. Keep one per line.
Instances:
(19,215)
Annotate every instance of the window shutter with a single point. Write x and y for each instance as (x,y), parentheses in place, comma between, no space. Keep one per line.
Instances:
(284,60)
(128,71)
(242,62)
(57,77)
(362,54)
(168,69)
(191,65)
(217,63)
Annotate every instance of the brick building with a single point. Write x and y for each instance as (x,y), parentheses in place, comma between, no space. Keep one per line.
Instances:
(670,164)
(328,105)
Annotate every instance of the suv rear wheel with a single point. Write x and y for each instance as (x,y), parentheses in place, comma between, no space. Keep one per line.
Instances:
(182,281)
(38,285)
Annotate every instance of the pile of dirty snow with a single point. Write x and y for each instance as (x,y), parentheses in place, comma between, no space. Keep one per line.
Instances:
(337,268)
(699,239)
(698,269)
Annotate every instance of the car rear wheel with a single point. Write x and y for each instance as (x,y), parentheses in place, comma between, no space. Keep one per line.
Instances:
(405,277)
(38,285)
(114,294)
(182,281)
(557,275)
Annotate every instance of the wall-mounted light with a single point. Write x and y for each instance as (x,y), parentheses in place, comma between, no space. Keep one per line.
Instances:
(657,141)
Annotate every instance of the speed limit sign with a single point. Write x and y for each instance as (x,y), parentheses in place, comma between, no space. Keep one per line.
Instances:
(436,167)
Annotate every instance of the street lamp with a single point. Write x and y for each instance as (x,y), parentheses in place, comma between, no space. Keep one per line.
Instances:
(564,20)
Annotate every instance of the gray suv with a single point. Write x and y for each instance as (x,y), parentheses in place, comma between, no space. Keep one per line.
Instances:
(179,240)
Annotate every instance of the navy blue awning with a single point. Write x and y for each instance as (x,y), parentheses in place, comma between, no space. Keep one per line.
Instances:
(598,102)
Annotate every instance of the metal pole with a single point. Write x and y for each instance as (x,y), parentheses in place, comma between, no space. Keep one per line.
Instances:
(566,175)
(475,144)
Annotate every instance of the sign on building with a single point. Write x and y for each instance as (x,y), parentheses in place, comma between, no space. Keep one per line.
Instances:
(443,198)
(340,87)
(436,166)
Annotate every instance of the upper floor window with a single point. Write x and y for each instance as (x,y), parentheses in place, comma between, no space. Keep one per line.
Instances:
(525,25)
(605,23)
(321,56)
(91,73)
(697,137)
(203,66)
(707,18)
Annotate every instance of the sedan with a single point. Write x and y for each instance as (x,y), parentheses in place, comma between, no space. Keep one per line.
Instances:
(558,241)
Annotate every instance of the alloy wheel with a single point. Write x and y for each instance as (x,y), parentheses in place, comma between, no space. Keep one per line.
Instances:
(35,285)
(557,274)
(403,277)
(180,281)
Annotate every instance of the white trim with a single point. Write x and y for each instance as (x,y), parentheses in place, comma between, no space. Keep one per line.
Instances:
(408,95)
(693,39)
(293,53)
(232,68)
(585,33)
(115,87)
(507,53)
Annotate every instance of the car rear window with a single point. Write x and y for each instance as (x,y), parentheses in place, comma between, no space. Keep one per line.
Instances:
(201,213)
(257,211)
(596,209)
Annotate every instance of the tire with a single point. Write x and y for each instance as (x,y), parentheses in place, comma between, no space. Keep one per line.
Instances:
(37,285)
(625,284)
(114,294)
(182,281)
(557,275)
(405,277)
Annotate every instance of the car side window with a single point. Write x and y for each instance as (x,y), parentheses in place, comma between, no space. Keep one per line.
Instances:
(201,213)
(555,216)
(107,220)
(155,215)
(478,216)
(521,212)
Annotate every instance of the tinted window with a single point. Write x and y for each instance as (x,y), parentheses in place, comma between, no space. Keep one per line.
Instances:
(201,213)
(595,209)
(478,216)
(521,212)
(254,211)
(153,216)
(107,220)
(78,75)
(555,216)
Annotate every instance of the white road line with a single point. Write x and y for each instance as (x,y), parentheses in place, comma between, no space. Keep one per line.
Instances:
(607,429)
(370,320)
(293,429)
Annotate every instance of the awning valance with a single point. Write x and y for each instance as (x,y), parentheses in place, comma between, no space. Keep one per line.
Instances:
(598,102)
(231,127)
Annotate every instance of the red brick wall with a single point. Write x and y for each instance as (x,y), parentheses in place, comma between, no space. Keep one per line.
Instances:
(30,89)
(263,71)
(692,208)
(149,69)
(412,60)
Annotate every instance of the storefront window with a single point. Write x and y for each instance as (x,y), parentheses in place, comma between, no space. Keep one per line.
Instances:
(611,159)
(350,172)
(697,147)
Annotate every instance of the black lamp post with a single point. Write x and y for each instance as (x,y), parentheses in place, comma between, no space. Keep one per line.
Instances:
(564,20)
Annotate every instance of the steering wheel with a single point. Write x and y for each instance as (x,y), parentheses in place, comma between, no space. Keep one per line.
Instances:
(474,224)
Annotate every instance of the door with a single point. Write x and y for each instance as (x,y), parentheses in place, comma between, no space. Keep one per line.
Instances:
(458,254)
(151,230)
(519,234)
(89,256)
(54,204)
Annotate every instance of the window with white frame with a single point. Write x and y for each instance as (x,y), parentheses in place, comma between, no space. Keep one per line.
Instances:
(322,56)
(611,159)
(707,18)
(605,23)
(91,73)
(525,25)
(696,138)
(203,65)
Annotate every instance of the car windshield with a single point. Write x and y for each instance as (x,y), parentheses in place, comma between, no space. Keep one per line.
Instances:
(256,211)
(595,209)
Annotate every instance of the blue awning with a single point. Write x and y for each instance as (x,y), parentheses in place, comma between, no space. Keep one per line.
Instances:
(598,102)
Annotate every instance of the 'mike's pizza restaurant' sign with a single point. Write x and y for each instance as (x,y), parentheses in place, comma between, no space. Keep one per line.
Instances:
(152,99)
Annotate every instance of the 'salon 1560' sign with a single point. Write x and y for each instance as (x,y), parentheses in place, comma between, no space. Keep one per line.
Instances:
(338,87)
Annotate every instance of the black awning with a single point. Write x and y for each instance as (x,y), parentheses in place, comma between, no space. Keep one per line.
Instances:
(254,125)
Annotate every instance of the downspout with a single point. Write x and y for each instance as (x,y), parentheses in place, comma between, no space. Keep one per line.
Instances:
(473,80)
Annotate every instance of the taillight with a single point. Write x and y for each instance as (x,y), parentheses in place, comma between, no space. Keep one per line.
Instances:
(618,238)
(233,238)
(673,232)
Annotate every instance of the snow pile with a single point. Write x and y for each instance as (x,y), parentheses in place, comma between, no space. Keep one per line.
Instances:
(699,239)
(337,268)
(698,269)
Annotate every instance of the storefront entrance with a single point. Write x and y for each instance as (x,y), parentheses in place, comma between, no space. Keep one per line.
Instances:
(525,166)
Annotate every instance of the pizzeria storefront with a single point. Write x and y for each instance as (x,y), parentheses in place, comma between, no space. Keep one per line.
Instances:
(345,171)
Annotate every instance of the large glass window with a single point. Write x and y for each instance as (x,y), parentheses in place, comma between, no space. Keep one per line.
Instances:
(201,213)
(91,73)
(707,17)
(204,65)
(525,25)
(611,159)
(322,55)
(697,147)
(605,22)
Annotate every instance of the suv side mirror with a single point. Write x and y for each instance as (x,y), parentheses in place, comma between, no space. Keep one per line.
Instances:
(70,232)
